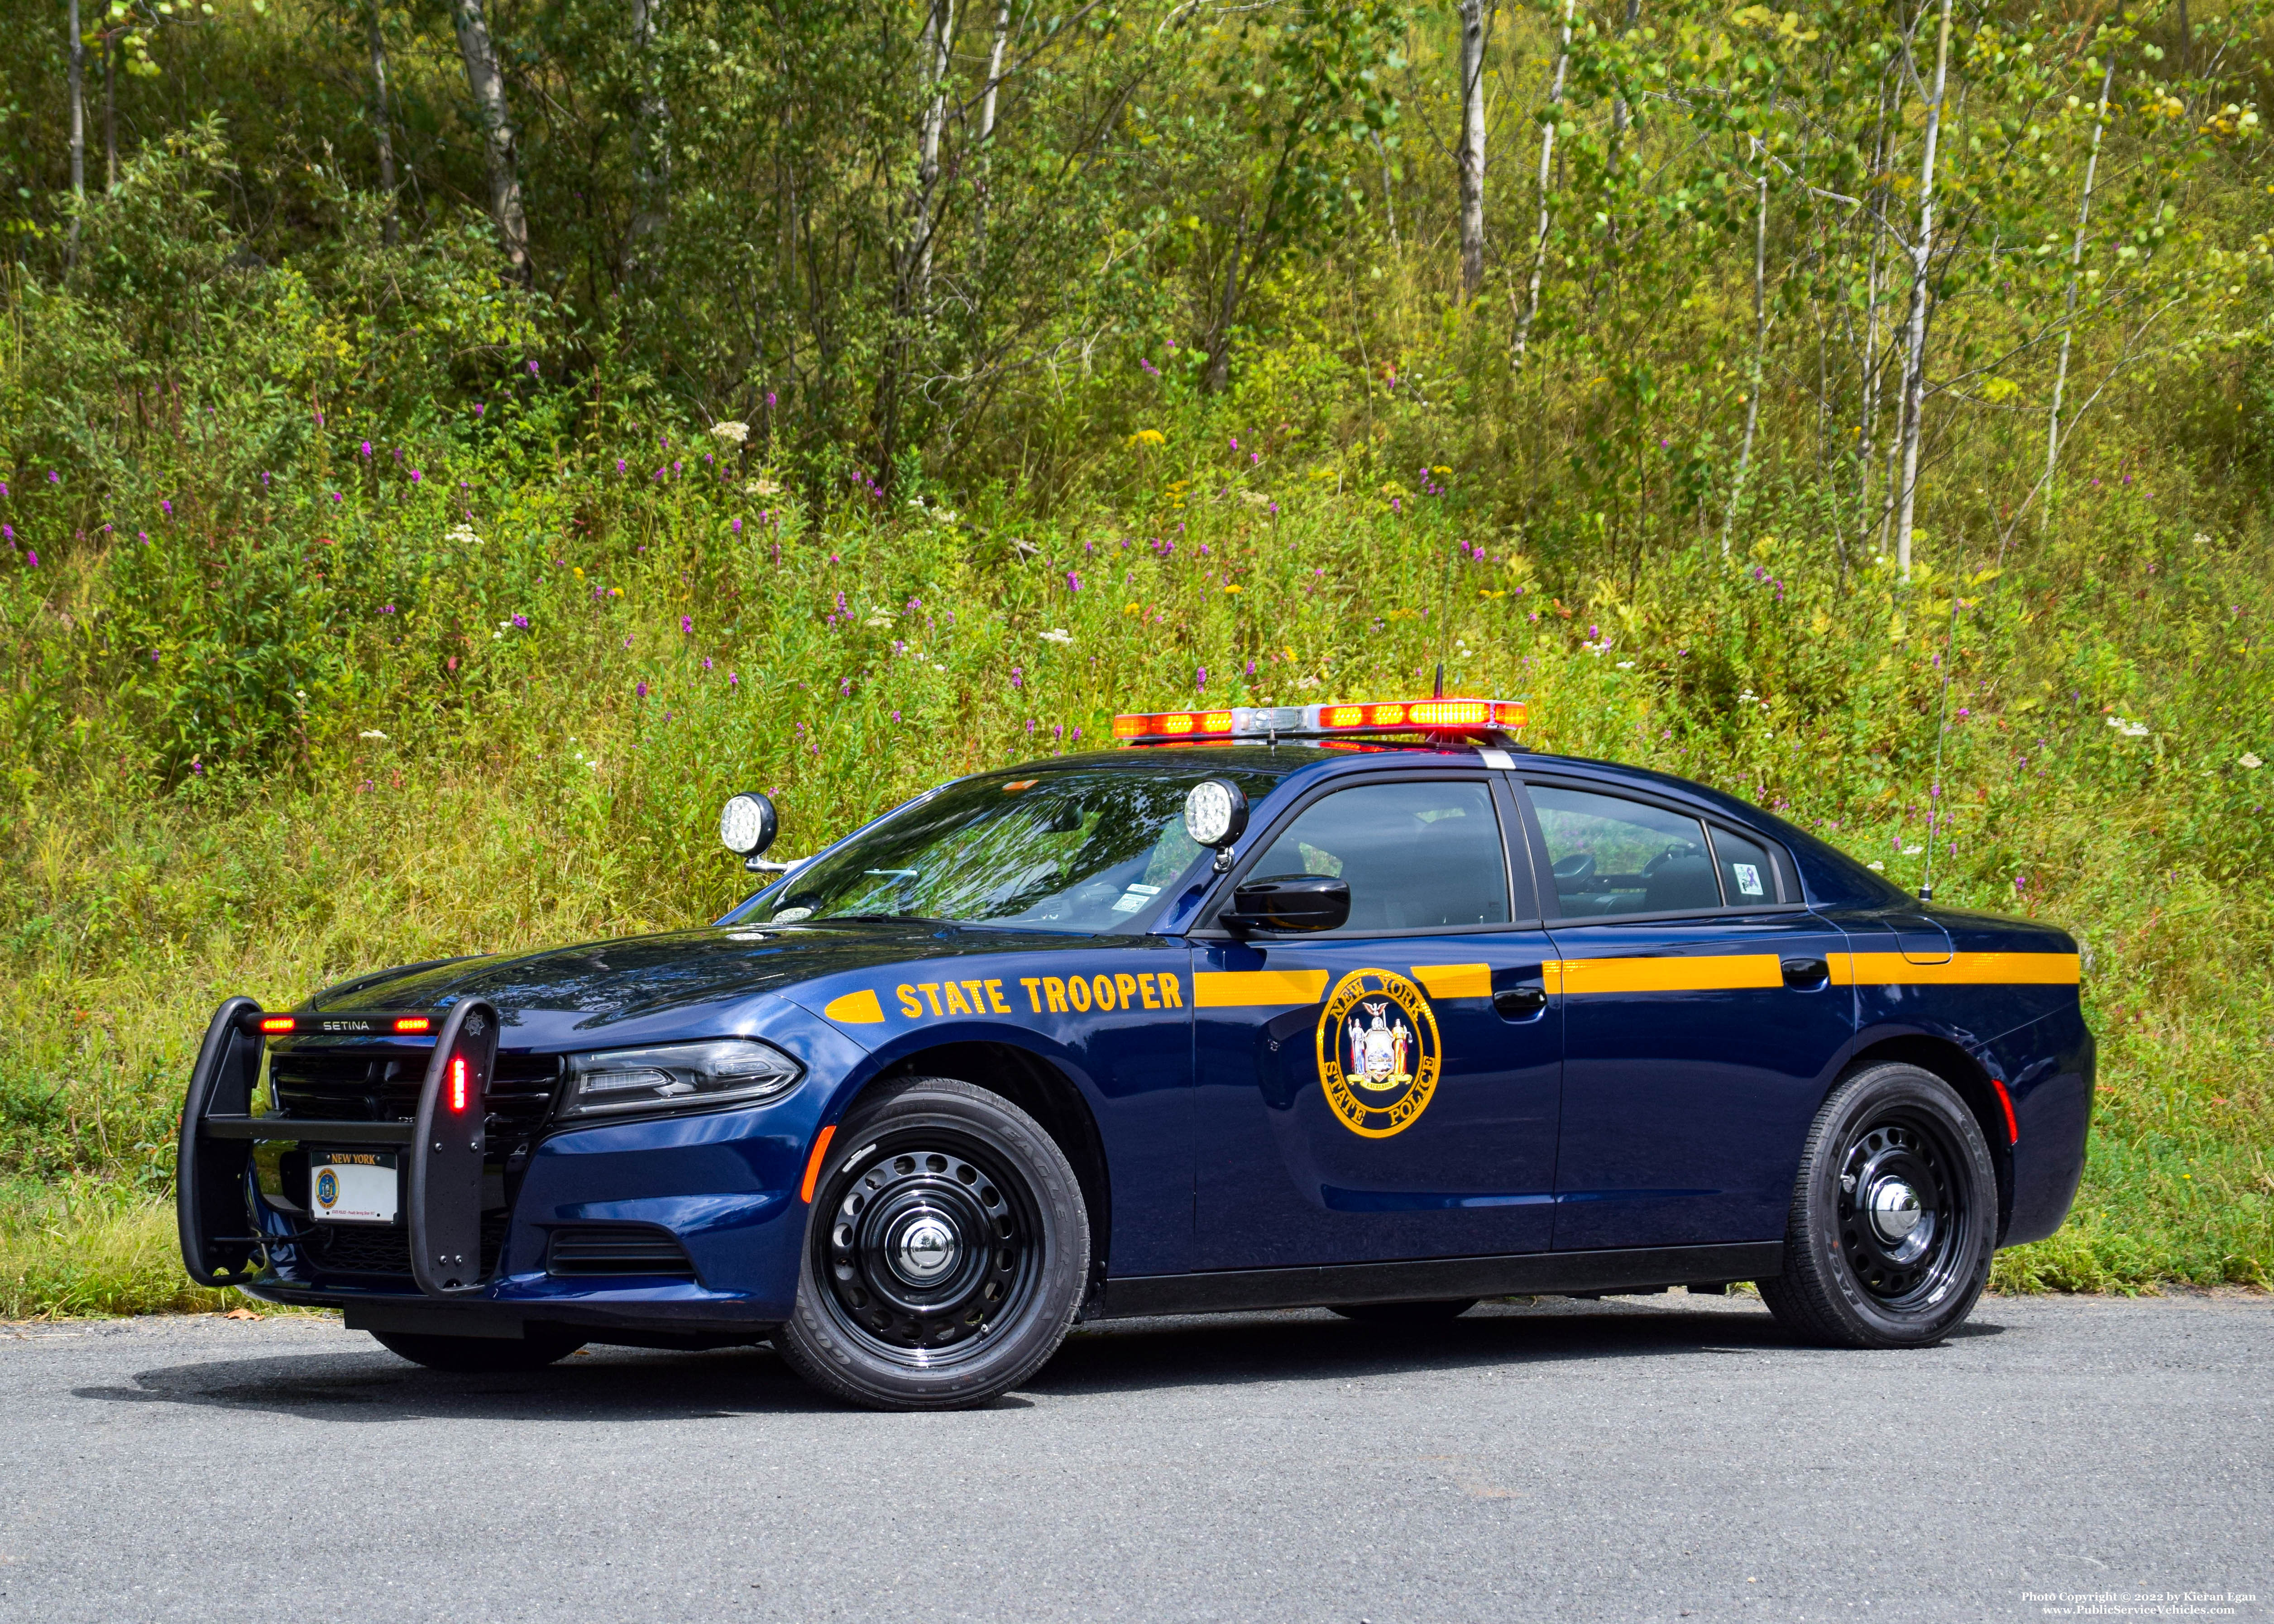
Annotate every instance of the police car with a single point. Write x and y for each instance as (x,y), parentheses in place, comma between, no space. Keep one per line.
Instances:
(1353,1005)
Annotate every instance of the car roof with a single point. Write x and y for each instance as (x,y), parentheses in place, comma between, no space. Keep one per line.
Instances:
(1830,875)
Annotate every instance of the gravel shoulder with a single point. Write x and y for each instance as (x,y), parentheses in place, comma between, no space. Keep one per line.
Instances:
(1633,1459)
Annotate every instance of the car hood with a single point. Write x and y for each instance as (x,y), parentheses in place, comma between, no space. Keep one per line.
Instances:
(554,995)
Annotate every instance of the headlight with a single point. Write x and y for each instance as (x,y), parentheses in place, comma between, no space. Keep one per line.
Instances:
(677,1077)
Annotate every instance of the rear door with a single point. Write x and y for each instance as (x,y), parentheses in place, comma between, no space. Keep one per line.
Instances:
(1701,1020)
(1388,1090)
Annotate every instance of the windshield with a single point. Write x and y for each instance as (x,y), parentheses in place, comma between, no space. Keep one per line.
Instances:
(1087,850)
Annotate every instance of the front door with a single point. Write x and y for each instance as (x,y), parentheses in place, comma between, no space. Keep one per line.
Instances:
(1702,1021)
(1388,1090)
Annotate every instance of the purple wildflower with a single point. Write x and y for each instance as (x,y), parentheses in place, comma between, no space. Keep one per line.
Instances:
(520,622)
(1073,582)
(687,626)
(641,690)
(1199,678)
(1018,676)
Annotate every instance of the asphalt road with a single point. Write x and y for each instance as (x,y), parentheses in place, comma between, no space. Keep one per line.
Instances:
(1649,1458)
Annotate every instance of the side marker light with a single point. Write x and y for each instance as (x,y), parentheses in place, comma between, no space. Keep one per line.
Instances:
(2012,1125)
(813,1162)
(276,1025)
(457,1082)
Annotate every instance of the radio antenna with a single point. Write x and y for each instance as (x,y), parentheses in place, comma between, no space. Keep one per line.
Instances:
(1440,691)
(1941,727)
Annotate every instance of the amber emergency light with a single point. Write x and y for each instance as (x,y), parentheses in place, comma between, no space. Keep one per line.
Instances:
(1431,716)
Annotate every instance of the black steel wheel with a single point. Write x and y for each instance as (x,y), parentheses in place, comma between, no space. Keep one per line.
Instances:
(1894,1215)
(479,1356)
(947,1253)
(1437,1310)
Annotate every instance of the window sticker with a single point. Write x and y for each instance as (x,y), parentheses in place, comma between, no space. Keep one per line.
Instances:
(1135,898)
(1749,879)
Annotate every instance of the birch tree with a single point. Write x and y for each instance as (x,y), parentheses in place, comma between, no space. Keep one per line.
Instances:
(1921,255)
(78,127)
(1476,18)
(382,127)
(501,159)
(1531,310)
(652,139)
(2068,299)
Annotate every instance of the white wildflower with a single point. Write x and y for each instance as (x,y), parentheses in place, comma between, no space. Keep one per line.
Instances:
(1878,868)
(731,433)
(1913,851)
(2129,730)
(371,732)
(1626,665)
(762,487)
(2252,761)
(879,618)
(1058,634)
(464,535)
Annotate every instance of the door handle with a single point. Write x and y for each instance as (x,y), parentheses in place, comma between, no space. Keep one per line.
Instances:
(1520,1003)
(1806,974)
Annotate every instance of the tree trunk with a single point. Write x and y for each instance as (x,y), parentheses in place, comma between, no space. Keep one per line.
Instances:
(78,127)
(939,28)
(987,112)
(1922,252)
(1531,311)
(1218,372)
(652,139)
(498,156)
(109,113)
(390,230)
(2068,309)
(1872,381)
(1760,336)
(1471,152)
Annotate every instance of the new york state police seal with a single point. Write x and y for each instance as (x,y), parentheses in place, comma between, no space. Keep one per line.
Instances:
(1379,1053)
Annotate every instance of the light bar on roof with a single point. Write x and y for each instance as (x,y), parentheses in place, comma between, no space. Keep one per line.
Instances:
(1433,715)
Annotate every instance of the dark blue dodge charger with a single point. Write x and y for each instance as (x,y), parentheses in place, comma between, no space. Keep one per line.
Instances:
(1360,1006)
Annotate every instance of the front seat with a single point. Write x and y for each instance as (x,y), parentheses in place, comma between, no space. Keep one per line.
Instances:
(1681,883)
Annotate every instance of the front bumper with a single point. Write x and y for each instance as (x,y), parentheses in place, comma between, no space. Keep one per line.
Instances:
(717,1192)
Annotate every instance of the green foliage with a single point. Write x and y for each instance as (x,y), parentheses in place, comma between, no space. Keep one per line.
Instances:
(358,605)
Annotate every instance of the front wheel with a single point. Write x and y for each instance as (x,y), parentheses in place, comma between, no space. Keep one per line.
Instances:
(1894,1215)
(946,1254)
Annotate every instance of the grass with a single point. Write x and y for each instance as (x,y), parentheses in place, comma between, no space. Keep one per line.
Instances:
(442,779)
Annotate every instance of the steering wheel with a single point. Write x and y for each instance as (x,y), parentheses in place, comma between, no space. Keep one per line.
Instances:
(1574,870)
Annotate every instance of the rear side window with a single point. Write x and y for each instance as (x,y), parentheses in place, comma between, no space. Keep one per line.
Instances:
(1748,875)
(1612,855)
(1416,856)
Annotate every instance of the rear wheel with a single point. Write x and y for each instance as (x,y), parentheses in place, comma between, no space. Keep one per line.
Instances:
(1893,1217)
(1436,1311)
(479,1355)
(946,1254)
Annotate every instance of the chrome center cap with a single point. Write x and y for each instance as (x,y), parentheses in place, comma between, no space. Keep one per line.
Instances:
(1895,1210)
(926,1250)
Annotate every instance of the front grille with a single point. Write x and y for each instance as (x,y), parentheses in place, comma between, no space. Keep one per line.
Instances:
(385,1249)
(383,1086)
(617,1249)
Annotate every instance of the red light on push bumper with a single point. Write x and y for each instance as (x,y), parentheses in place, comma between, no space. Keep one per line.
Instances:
(413,1023)
(457,1082)
(276,1025)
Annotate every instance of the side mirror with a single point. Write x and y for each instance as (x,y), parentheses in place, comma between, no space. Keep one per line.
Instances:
(1289,902)
(747,825)
(1215,815)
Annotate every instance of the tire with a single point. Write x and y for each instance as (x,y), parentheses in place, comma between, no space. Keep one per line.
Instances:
(1894,1215)
(479,1355)
(896,1308)
(1438,1312)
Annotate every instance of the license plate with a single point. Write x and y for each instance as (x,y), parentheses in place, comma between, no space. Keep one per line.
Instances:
(351,1186)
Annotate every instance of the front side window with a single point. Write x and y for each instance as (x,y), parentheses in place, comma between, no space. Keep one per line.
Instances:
(1085,850)
(1612,855)
(1416,856)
